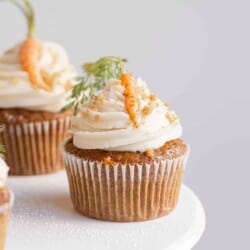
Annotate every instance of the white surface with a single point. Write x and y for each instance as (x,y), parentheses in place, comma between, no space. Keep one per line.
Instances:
(43,218)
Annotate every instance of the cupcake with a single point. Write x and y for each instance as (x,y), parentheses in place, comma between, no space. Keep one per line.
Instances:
(6,201)
(125,160)
(35,81)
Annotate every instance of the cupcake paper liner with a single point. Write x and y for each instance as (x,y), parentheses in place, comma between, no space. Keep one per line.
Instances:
(124,192)
(4,220)
(34,148)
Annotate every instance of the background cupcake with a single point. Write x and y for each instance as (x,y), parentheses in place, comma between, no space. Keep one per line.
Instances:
(6,199)
(35,80)
(126,160)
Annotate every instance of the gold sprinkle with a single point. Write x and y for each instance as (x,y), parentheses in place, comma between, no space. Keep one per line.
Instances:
(167,104)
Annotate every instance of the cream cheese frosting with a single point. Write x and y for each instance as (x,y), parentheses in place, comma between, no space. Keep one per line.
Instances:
(16,90)
(3,172)
(104,123)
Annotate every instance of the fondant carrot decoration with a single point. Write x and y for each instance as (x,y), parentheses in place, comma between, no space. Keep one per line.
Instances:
(31,49)
(130,97)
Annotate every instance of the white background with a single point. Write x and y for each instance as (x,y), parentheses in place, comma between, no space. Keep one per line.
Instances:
(196,55)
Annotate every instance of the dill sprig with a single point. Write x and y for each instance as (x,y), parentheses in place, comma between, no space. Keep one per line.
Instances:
(2,148)
(95,76)
(26,8)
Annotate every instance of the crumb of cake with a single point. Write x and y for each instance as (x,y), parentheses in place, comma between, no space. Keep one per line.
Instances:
(152,97)
(172,117)
(150,153)
(97,118)
(166,104)
(108,161)
(146,110)
(100,99)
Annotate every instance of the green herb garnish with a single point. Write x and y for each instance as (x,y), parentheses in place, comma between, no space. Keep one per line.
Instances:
(28,11)
(95,76)
(2,148)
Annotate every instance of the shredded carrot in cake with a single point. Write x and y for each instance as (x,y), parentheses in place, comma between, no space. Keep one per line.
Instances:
(108,161)
(150,153)
(30,53)
(131,101)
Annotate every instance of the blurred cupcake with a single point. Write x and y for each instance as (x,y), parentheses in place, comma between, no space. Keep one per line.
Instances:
(6,201)
(125,161)
(35,81)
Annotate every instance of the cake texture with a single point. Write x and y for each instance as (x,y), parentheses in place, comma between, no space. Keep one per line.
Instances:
(34,89)
(33,139)
(125,160)
(125,186)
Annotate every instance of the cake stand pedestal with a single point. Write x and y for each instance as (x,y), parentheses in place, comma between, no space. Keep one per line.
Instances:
(43,218)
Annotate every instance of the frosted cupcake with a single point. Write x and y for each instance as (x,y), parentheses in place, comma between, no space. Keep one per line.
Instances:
(35,81)
(6,201)
(126,159)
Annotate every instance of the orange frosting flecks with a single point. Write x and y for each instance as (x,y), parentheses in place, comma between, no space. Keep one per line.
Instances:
(131,101)
(30,53)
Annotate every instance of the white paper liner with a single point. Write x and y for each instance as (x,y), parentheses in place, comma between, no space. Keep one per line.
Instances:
(34,148)
(124,192)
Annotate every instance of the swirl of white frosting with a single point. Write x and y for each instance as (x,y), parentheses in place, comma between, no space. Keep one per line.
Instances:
(16,90)
(3,172)
(104,122)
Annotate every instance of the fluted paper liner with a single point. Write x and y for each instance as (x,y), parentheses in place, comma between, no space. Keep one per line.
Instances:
(34,148)
(4,220)
(124,192)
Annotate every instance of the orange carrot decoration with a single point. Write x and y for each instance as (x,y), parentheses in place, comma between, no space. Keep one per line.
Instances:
(30,54)
(129,93)
(31,49)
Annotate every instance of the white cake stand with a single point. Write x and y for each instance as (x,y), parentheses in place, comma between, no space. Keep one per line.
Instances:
(43,218)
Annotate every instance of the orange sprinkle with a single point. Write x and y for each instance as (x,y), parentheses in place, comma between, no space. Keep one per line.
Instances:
(30,53)
(131,101)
